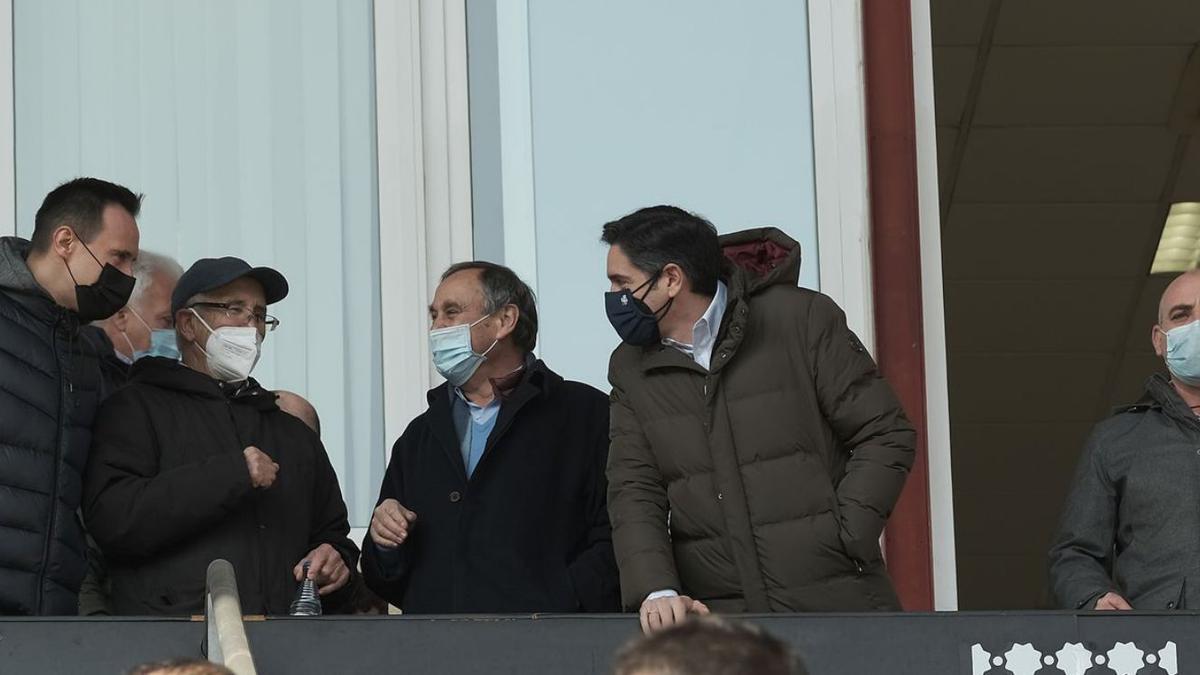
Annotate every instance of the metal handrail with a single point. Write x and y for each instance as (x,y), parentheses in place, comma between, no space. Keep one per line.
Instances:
(227,643)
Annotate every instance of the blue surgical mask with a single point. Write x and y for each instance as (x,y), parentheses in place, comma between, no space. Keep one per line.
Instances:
(162,342)
(453,356)
(1183,353)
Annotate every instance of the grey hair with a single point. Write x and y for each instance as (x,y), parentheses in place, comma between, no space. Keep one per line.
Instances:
(148,266)
(502,287)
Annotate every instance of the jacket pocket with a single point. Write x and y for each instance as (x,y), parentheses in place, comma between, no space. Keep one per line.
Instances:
(1180,602)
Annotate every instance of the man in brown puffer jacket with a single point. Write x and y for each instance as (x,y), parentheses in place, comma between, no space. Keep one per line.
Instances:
(756,451)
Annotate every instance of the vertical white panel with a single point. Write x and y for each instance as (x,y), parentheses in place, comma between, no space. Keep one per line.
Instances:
(840,151)
(319,55)
(937,392)
(403,277)
(362,331)
(424,183)
(8,187)
(516,140)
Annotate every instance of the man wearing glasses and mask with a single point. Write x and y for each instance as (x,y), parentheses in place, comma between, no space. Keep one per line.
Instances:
(494,500)
(75,269)
(193,461)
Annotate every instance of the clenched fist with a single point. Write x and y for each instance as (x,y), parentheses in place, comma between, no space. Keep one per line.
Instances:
(390,523)
(262,467)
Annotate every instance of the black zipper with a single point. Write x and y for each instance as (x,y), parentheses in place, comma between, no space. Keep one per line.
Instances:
(58,452)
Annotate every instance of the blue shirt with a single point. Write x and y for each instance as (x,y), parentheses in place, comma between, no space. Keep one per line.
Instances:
(474,424)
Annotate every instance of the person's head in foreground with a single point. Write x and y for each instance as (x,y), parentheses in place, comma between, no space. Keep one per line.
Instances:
(709,646)
(182,667)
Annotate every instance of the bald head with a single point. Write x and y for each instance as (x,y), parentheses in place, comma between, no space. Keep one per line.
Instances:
(1181,294)
(298,406)
(1179,306)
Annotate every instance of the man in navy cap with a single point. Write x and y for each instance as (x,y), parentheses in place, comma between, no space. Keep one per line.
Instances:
(193,461)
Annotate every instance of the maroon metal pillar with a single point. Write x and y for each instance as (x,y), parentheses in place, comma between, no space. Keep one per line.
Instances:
(896,267)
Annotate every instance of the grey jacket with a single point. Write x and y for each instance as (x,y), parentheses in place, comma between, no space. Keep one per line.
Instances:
(1131,523)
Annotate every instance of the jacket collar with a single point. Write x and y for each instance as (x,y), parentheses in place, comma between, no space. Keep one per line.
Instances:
(538,381)
(173,375)
(17,279)
(1161,395)
(730,334)
(755,260)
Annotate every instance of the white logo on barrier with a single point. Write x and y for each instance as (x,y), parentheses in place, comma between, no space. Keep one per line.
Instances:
(1125,658)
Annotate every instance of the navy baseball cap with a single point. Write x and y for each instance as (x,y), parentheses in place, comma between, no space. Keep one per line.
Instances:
(208,274)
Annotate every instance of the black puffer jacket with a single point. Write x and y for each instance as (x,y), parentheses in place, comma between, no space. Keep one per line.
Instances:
(49,381)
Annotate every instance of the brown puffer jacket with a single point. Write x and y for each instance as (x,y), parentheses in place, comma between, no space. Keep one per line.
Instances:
(763,485)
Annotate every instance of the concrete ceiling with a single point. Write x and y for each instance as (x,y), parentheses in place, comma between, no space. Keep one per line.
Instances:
(1060,149)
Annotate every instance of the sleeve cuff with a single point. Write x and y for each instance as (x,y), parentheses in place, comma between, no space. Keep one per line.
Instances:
(665,593)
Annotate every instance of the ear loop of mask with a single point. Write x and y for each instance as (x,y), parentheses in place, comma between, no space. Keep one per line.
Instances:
(666,307)
(476,323)
(210,331)
(89,251)
(149,331)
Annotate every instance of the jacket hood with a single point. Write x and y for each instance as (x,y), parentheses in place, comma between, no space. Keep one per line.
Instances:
(18,281)
(14,270)
(173,375)
(761,257)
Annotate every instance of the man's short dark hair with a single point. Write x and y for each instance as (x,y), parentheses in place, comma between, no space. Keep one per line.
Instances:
(80,204)
(709,646)
(501,287)
(657,235)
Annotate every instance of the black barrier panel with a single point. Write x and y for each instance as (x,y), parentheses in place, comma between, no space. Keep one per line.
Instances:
(1032,643)
(83,646)
(894,644)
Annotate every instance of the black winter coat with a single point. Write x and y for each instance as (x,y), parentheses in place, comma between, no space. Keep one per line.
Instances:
(528,532)
(114,372)
(48,396)
(168,491)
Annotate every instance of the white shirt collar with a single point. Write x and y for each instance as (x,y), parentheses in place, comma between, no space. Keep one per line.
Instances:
(704,331)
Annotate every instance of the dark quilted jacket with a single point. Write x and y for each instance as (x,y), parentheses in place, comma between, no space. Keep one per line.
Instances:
(763,484)
(49,382)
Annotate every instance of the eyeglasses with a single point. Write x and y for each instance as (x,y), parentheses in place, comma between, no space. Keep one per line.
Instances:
(241,314)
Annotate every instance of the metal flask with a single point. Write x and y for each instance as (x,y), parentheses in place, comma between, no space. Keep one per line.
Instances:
(307,602)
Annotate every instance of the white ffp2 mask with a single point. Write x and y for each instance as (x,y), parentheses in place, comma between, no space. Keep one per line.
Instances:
(232,351)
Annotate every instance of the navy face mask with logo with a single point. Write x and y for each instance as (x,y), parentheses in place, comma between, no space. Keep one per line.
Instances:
(634,321)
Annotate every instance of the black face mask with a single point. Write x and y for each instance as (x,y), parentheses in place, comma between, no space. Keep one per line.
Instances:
(102,299)
(633,320)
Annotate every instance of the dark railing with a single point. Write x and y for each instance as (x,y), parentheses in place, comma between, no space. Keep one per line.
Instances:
(891,644)
(948,643)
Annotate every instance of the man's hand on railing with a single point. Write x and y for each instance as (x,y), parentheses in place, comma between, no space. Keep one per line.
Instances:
(325,567)
(668,611)
(1112,601)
